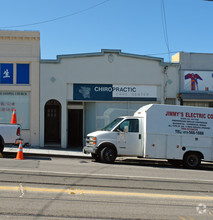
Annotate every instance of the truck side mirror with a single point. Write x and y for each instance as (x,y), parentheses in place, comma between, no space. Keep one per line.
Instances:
(126,129)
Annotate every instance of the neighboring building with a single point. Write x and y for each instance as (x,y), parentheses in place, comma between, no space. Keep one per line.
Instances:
(81,93)
(196,78)
(19,81)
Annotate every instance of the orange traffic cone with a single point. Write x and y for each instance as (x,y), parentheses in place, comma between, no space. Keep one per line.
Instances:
(20,155)
(14,119)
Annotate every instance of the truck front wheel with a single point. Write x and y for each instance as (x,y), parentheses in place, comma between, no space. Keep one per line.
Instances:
(192,160)
(108,155)
(1,148)
(1,145)
(96,157)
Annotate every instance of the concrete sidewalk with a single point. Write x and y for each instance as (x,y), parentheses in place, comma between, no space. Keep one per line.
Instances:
(51,151)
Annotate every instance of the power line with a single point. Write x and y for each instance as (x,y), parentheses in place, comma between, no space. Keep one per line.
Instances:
(58,18)
(164,24)
(161,53)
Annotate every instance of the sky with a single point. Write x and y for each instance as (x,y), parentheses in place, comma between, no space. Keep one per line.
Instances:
(157,28)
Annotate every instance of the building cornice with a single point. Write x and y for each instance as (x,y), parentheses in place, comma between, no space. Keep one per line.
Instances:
(18,38)
(19,35)
(102,53)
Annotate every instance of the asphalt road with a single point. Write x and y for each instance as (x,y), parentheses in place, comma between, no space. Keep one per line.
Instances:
(75,188)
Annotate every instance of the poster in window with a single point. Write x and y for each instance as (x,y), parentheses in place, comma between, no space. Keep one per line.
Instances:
(196,81)
(18,100)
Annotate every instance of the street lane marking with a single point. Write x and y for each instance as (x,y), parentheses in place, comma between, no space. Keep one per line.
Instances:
(110,175)
(190,218)
(107,193)
(187,218)
(181,218)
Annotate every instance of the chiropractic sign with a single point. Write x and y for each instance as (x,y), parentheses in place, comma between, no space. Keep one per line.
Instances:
(109,92)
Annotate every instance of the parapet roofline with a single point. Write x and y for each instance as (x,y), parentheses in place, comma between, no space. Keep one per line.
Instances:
(195,53)
(103,51)
(12,33)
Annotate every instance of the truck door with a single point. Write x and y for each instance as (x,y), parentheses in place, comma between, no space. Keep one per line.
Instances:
(129,138)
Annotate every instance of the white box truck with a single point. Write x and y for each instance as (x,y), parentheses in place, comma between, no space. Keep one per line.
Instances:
(180,134)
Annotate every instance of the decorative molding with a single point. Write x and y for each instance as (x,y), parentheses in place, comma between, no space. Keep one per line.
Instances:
(18,38)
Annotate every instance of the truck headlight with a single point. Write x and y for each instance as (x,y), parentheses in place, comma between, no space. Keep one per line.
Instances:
(91,140)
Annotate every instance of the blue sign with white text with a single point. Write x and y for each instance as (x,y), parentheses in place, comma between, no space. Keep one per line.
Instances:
(92,91)
(6,73)
(110,92)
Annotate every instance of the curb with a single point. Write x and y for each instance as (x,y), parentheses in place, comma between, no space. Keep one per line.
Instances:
(46,152)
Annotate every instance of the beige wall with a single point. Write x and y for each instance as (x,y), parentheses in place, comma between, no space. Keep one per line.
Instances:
(24,47)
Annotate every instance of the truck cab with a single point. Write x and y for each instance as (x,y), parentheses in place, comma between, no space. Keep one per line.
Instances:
(121,137)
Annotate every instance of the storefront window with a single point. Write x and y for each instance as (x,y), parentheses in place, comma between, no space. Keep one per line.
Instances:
(15,100)
(170,101)
(23,74)
(99,114)
(196,104)
(107,112)
(133,107)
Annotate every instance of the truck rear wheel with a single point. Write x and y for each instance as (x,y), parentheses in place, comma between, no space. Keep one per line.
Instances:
(108,155)
(192,160)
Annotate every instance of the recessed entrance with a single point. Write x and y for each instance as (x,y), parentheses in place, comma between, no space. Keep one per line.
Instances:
(75,128)
(52,130)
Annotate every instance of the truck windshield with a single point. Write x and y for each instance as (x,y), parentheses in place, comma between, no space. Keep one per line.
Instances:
(110,126)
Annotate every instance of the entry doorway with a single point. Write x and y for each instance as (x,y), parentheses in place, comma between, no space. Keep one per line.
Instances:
(75,128)
(52,124)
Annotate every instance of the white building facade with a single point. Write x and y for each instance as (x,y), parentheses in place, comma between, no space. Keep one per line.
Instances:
(81,93)
(19,81)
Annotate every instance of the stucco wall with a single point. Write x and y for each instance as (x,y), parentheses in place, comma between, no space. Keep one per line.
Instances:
(107,67)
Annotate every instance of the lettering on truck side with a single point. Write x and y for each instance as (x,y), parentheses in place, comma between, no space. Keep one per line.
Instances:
(189,115)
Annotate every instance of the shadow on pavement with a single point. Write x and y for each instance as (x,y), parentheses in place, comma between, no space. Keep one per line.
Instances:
(27,157)
(159,163)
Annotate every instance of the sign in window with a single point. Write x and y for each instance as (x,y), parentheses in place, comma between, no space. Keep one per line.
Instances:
(6,73)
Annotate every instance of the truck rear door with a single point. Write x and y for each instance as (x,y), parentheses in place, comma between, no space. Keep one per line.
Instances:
(129,139)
